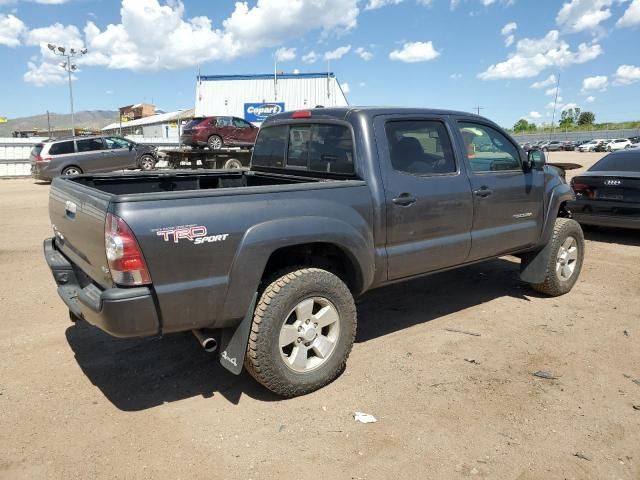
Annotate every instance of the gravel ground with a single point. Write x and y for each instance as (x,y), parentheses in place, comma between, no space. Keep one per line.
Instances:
(76,403)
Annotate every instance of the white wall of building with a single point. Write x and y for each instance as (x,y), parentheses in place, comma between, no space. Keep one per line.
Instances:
(230,94)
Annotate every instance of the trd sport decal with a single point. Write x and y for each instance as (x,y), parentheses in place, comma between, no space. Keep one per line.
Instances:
(193,233)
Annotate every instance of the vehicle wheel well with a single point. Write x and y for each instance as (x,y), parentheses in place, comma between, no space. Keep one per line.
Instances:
(563,211)
(326,256)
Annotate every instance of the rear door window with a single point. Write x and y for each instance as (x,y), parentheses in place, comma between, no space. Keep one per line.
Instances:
(89,144)
(114,143)
(61,148)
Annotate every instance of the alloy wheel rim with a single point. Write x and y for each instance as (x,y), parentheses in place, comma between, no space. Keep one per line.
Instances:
(567,258)
(216,143)
(71,171)
(309,334)
(147,163)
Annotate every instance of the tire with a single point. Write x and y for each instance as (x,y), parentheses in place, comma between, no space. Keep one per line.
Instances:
(215,142)
(274,322)
(545,149)
(567,234)
(72,170)
(147,163)
(232,163)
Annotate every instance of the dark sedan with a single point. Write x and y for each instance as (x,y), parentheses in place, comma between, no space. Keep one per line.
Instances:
(608,194)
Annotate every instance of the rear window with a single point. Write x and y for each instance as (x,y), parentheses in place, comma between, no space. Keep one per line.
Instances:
(193,123)
(61,148)
(625,162)
(315,147)
(35,151)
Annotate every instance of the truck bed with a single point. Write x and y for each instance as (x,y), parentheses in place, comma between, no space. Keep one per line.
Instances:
(136,183)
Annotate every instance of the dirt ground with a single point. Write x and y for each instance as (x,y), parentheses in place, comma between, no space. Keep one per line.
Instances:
(76,403)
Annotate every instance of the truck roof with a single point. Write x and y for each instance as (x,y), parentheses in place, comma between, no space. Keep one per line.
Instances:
(370,111)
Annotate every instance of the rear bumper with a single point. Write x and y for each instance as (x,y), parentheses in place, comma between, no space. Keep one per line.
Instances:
(40,173)
(607,220)
(121,312)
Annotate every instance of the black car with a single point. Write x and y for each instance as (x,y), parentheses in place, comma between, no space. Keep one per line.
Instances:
(569,146)
(608,194)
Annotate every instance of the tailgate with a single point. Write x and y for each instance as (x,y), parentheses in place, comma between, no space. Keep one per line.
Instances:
(77,214)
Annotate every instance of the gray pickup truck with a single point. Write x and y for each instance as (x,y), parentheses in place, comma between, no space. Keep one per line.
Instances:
(265,262)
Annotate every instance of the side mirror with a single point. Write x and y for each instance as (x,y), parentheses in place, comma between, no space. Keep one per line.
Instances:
(535,160)
(130,146)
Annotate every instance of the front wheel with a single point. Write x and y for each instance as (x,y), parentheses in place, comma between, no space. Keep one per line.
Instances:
(565,261)
(302,333)
(147,162)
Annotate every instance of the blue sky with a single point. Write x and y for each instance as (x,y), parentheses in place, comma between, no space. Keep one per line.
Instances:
(433,53)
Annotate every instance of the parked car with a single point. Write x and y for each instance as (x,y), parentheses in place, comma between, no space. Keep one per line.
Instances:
(591,145)
(634,140)
(219,132)
(337,201)
(569,145)
(618,144)
(608,193)
(553,146)
(90,154)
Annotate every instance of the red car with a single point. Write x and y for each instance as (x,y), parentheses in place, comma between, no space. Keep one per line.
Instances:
(219,132)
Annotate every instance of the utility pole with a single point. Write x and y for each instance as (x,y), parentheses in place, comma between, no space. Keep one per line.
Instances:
(478,108)
(48,124)
(69,68)
(555,103)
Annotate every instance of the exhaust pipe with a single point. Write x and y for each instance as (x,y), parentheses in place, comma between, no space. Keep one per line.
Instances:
(209,343)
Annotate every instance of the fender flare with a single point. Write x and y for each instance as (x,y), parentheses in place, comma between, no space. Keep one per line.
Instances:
(262,240)
(533,265)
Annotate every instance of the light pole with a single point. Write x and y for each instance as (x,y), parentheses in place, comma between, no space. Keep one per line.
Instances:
(69,67)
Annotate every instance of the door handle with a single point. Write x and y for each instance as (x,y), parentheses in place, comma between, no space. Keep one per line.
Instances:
(404,200)
(483,192)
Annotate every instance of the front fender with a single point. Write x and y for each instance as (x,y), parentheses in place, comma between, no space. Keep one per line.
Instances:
(261,240)
(557,194)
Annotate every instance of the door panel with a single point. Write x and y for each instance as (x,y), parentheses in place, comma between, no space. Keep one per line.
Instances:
(118,155)
(428,199)
(508,207)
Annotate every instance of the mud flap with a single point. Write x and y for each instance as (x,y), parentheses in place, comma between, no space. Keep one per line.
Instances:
(233,344)
(533,265)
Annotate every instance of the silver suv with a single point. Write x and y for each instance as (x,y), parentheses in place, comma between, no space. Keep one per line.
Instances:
(92,154)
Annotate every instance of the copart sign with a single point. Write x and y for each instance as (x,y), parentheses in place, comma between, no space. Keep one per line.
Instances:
(258,112)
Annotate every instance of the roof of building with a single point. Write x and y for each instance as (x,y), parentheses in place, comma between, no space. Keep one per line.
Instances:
(267,76)
(152,119)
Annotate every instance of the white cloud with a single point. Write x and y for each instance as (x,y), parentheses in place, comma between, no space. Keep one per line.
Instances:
(590,99)
(534,55)
(373,4)
(550,80)
(568,106)
(363,54)
(296,71)
(412,52)
(311,57)
(425,3)
(338,53)
(285,54)
(599,82)
(551,92)
(362,84)
(631,16)
(509,28)
(153,36)
(45,74)
(11,29)
(626,75)
(455,76)
(580,15)
(345,88)
(535,115)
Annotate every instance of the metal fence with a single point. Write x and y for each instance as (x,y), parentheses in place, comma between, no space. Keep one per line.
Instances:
(576,136)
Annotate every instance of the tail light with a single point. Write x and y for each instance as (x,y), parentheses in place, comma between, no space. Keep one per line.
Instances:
(301,114)
(40,159)
(582,190)
(124,256)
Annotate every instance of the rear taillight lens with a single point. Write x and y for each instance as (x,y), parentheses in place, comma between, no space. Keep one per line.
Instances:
(582,190)
(40,159)
(124,256)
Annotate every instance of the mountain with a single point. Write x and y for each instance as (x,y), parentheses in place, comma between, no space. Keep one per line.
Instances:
(94,119)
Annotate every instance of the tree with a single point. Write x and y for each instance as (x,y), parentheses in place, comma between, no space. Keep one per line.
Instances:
(522,126)
(586,118)
(569,117)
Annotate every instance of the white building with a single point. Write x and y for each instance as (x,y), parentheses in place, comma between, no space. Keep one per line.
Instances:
(162,125)
(255,97)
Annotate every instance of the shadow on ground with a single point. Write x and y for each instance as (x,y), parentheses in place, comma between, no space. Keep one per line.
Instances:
(137,374)
(612,235)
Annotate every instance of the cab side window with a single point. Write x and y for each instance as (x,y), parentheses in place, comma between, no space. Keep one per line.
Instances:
(487,149)
(420,147)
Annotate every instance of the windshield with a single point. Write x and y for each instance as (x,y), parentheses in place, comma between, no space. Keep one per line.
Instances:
(629,161)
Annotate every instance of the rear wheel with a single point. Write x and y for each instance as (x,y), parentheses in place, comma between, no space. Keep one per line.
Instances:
(565,261)
(302,333)
(232,163)
(215,142)
(72,170)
